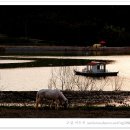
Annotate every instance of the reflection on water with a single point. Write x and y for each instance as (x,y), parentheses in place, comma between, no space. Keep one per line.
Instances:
(26,79)
(14,61)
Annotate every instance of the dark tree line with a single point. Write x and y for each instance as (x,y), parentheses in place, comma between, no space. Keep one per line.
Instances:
(65,25)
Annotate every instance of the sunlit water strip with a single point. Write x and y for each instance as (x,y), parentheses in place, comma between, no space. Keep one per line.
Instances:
(14,61)
(27,79)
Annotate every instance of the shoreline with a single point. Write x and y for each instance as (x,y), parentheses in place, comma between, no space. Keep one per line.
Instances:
(87,111)
(81,97)
(63,49)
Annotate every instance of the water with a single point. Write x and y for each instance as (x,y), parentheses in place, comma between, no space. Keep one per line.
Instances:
(35,78)
(14,61)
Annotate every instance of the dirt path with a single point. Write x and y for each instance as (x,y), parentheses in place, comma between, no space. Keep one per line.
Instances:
(32,113)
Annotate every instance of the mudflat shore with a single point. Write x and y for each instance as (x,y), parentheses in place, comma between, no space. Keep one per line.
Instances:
(20,104)
(69,113)
(87,97)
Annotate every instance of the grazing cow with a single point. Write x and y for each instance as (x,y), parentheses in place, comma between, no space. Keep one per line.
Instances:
(55,96)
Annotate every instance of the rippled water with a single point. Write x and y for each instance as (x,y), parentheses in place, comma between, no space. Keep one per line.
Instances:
(26,79)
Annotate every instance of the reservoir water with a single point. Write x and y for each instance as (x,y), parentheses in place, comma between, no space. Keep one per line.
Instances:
(35,78)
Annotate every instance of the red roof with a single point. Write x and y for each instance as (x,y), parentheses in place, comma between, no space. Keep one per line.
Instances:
(94,63)
(102,42)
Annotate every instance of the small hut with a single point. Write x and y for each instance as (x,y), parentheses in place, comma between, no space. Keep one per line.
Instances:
(95,67)
(97,45)
(100,44)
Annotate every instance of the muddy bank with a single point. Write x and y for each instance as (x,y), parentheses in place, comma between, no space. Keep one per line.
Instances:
(20,104)
(32,113)
(24,62)
(74,97)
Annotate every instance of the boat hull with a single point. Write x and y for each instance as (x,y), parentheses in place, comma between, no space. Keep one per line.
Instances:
(96,74)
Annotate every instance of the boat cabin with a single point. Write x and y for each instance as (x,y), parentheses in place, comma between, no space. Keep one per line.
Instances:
(95,67)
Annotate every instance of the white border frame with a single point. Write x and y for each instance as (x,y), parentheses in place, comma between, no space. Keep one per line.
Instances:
(64,2)
(64,123)
(67,123)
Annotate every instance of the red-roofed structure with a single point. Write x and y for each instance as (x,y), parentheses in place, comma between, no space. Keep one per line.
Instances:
(95,63)
(95,69)
(102,42)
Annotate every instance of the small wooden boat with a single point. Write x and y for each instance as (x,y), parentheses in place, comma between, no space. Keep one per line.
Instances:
(95,69)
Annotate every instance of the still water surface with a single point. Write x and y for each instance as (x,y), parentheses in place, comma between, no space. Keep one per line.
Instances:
(14,61)
(35,78)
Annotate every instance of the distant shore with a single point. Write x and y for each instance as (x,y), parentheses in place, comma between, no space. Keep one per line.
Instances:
(66,49)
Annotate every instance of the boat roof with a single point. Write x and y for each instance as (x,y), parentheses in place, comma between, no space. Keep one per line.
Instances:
(95,63)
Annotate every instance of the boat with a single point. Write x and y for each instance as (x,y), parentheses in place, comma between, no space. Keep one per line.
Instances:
(95,69)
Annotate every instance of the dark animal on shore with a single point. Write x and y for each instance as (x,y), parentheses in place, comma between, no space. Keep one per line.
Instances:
(55,96)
